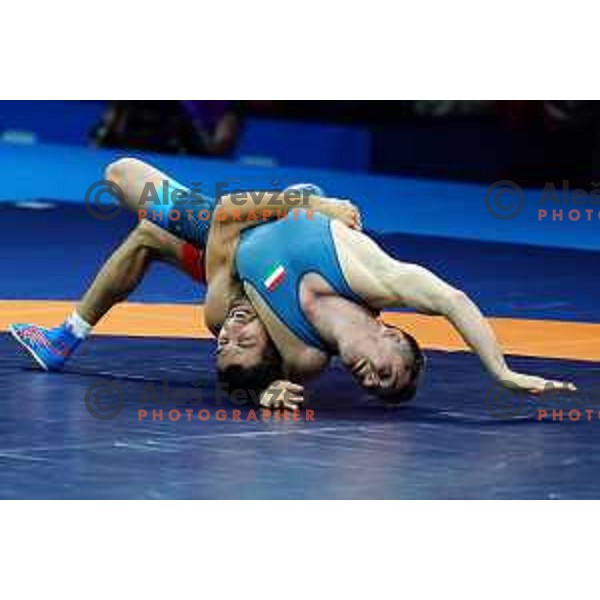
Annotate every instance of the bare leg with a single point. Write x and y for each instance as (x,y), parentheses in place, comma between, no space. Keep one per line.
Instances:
(118,278)
(125,269)
(155,196)
(133,176)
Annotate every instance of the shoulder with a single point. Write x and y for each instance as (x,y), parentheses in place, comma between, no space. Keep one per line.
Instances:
(306,363)
(301,361)
(221,247)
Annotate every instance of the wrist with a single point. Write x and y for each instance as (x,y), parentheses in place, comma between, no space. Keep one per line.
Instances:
(504,374)
(316,203)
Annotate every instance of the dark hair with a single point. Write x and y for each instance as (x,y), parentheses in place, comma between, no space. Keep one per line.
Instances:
(411,352)
(253,379)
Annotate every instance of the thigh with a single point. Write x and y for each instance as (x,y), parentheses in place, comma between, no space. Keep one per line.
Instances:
(164,246)
(158,198)
(136,178)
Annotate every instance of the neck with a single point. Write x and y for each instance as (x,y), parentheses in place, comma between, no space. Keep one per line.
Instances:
(343,324)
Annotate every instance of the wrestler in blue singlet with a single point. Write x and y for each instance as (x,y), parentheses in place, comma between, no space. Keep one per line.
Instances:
(192,226)
(273,259)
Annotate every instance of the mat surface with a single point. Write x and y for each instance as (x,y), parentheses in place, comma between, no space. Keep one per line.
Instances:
(462,438)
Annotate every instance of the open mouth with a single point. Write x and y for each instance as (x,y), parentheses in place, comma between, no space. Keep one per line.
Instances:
(360,368)
(240,312)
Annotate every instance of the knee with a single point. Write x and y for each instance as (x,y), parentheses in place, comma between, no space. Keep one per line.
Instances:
(146,236)
(119,170)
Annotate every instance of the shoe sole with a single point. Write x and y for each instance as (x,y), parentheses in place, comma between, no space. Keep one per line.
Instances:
(33,355)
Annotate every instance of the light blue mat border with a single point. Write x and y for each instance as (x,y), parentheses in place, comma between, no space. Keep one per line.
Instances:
(389,204)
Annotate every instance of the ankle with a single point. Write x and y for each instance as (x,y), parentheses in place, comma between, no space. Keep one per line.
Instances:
(78,326)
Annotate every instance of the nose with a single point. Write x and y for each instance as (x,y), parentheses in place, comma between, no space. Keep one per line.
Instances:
(231,327)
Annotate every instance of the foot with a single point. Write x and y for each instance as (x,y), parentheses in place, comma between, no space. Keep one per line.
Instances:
(50,348)
(306,188)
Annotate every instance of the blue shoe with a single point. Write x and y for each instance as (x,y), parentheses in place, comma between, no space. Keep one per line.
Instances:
(50,348)
(306,188)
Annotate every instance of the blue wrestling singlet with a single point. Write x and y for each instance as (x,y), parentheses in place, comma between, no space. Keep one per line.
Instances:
(185,213)
(274,257)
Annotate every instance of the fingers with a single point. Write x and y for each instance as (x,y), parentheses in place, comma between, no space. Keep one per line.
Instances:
(353,218)
(292,403)
(289,397)
(345,211)
(560,385)
(295,388)
(553,386)
(357,217)
(356,220)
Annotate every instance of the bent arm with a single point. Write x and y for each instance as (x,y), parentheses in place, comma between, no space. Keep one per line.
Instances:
(240,206)
(415,287)
(422,290)
(384,282)
(247,209)
(239,211)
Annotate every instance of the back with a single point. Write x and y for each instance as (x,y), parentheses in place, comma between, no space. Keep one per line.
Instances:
(274,258)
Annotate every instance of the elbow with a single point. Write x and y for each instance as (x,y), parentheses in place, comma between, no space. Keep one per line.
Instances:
(451,300)
(226,207)
(237,204)
(225,201)
(458,296)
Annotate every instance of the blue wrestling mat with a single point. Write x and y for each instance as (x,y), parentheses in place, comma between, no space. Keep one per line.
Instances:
(461,438)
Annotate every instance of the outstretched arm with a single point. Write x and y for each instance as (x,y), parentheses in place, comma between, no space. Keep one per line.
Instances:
(424,291)
(387,283)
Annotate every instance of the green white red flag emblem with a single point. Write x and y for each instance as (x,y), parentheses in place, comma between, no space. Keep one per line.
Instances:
(275,277)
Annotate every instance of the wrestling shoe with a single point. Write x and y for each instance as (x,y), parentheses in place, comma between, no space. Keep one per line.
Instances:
(306,188)
(50,348)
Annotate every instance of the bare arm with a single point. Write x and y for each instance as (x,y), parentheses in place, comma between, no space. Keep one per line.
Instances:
(426,292)
(384,282)
(247,209)
(234,214)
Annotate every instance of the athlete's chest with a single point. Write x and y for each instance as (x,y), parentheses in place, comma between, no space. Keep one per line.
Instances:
(222,290)
(300,359)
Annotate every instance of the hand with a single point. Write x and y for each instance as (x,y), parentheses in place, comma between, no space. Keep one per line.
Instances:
(282,394)
(534,385)
(341,210)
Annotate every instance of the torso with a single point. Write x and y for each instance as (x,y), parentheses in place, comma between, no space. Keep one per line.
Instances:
(301,359)
(330,314)
(223,286)
(278,259)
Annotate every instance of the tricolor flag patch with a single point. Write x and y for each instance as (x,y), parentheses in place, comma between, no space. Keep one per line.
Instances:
(275,277)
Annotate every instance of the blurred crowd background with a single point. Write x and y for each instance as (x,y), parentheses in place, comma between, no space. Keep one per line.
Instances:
(530,142)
